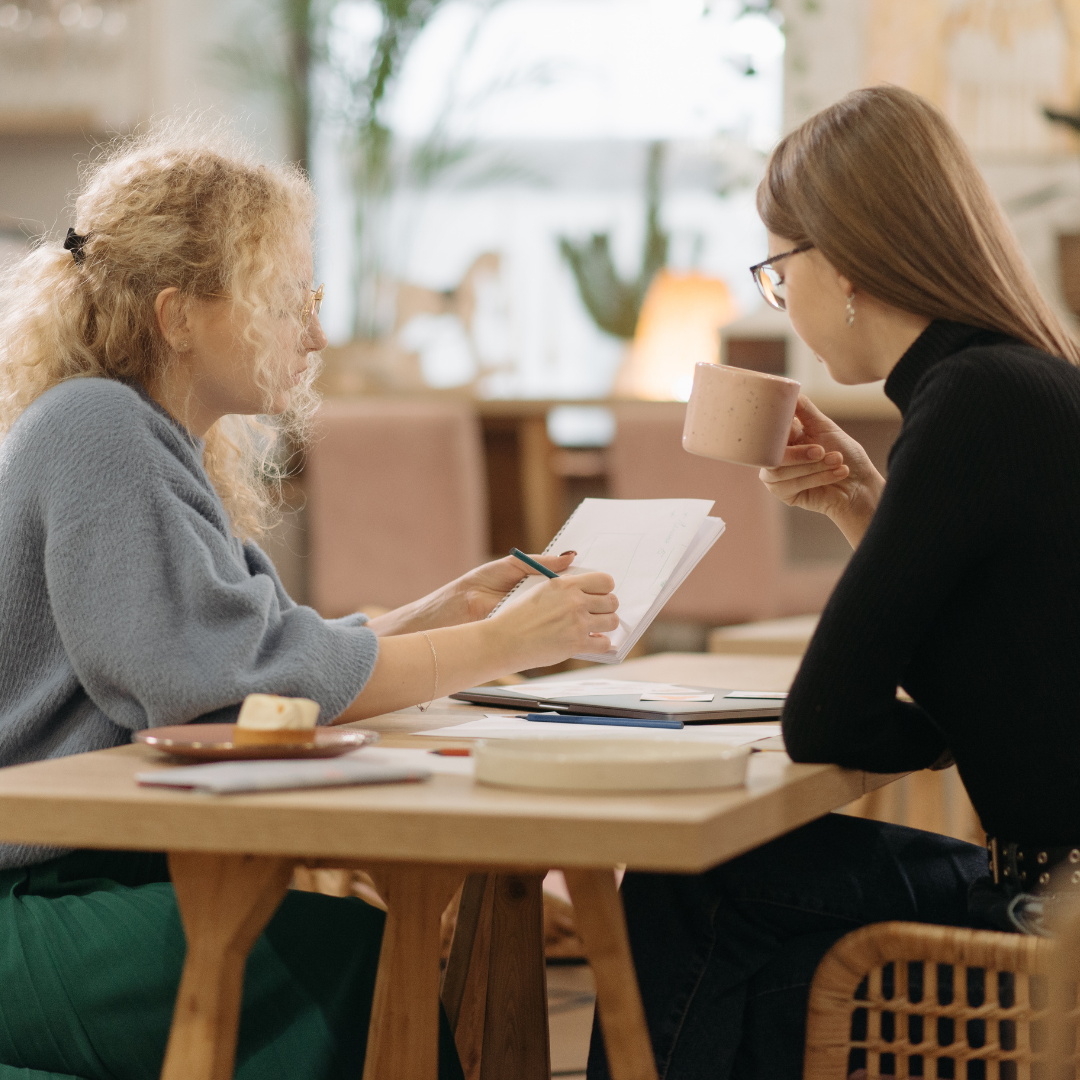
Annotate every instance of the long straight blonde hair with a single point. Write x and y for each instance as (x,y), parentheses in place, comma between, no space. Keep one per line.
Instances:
(882,185)
(184,205)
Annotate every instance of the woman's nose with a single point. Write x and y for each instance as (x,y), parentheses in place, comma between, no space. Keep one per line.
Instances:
(315,340)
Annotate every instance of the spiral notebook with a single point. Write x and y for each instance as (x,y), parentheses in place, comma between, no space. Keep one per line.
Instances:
(648,546)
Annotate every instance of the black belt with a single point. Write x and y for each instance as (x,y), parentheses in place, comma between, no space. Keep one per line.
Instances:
(1029,866)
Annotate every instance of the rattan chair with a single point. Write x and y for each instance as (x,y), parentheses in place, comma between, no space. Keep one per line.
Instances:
(909,1000)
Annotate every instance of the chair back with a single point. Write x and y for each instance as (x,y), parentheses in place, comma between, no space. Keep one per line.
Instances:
(907,999)
(747,575)
(397,501)
(735,581)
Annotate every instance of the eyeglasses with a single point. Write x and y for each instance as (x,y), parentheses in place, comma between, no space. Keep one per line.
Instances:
(770,284)
(313,305)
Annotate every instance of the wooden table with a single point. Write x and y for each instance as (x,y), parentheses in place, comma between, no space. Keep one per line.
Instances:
(768,637)
(231,860)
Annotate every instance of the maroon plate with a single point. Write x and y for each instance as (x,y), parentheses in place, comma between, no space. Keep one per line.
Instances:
(213,742)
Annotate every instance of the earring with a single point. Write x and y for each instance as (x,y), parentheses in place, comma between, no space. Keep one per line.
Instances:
(850,310)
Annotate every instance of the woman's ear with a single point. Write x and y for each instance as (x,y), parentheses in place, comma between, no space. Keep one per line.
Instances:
(172,318)
(828,276)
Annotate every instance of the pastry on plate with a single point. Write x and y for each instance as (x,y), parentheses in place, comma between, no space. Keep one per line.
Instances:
(269,720)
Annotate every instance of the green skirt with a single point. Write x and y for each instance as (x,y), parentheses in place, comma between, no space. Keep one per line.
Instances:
(91,949)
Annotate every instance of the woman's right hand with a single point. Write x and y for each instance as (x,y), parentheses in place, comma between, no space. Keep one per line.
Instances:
(543,625)
(826,470)
(559,618)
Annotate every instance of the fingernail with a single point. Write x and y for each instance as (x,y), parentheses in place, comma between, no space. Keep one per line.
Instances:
(840,471)
(567,553)
(815,452)
(833,457)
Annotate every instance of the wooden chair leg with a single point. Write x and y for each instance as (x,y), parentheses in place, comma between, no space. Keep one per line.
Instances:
(225,902)
(601,925)
(403,1039)
(515,1027)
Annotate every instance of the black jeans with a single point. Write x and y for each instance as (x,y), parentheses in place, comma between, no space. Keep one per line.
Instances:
(725,958)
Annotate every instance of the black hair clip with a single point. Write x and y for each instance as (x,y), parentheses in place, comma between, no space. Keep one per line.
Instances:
(75,244)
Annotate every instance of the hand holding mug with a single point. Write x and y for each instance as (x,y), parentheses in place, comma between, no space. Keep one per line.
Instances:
(825,470)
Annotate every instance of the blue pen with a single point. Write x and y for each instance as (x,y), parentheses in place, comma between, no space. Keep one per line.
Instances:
(605,721)
(533,563)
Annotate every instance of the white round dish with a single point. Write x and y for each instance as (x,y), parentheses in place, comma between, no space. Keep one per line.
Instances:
(609,765)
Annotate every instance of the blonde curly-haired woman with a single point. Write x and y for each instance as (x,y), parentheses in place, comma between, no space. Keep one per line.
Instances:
(894,262)
(134,361)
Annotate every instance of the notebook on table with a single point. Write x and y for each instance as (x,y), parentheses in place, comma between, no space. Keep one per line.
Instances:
(648,546)
(646,701)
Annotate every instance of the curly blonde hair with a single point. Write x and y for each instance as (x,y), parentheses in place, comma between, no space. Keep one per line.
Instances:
(187,206)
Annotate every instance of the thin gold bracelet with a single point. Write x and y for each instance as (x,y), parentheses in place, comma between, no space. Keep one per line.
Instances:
(435,692)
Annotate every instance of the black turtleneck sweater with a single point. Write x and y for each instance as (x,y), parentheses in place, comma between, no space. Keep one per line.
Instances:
(965,591)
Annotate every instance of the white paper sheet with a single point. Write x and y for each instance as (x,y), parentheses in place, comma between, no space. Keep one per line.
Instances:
(647,545)
(501,726)
(226,777)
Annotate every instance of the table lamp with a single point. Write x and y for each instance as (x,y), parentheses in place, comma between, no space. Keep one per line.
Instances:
(677,328)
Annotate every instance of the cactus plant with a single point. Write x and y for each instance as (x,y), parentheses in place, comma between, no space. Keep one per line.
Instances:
(613,303)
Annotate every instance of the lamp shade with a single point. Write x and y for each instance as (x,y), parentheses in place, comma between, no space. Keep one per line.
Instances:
(677,328)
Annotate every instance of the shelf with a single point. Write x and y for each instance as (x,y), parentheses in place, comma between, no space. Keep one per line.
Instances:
(23,122)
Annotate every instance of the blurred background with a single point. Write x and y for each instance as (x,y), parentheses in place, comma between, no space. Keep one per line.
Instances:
(535,217)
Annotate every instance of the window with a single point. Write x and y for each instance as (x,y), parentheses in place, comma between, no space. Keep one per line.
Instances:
(514,124)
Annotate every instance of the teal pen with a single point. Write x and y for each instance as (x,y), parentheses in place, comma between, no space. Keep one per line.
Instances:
(533,563)
(545,571)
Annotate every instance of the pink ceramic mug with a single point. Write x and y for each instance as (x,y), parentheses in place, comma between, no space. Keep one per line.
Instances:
(739,415)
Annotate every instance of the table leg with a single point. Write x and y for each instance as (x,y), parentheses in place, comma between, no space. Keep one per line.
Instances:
(225,902)
(403,1038)
(495,991)
(541,489)
(601,925)
(515,1014)
(464,989)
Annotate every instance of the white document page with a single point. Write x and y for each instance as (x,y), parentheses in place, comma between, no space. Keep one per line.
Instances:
(223,777)
(502,726)
(647,545)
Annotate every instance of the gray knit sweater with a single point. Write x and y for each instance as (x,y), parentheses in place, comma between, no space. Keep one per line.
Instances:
(125,600)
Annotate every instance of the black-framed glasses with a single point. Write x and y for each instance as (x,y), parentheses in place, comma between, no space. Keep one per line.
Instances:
(770,284)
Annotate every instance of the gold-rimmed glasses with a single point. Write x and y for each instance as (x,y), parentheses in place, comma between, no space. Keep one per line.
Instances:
(313,305)
(769,282)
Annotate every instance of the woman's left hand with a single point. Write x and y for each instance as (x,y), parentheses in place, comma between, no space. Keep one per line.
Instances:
(481,589)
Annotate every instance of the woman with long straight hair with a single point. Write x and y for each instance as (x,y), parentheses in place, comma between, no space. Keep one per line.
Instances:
(135,361)
(894,262)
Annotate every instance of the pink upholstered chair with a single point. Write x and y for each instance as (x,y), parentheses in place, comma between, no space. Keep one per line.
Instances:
(746,575)
(397,501)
